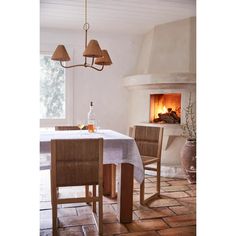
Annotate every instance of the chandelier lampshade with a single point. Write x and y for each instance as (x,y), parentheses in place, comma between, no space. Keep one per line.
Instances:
(60,54)
(104,59)
(93,49)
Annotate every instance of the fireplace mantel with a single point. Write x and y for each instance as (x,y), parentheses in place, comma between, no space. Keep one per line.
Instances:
(162,81)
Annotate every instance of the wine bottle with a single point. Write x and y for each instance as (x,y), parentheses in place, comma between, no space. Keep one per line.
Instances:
(91,119)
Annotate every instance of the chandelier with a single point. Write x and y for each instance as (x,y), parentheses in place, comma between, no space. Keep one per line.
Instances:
(98,57)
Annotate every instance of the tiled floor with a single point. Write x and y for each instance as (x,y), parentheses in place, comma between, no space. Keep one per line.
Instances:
(172,215)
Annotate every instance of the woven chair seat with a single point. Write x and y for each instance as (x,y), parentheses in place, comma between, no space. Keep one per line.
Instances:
(149,160)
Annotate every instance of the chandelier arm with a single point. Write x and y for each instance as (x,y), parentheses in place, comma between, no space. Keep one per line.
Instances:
(92,61)
(71,65)
(97,68)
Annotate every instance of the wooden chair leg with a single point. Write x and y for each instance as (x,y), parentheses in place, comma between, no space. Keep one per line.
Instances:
(87,193)
(94,195)
(54,196)
(142,187)
(100,211)
(158,178)
(54,218)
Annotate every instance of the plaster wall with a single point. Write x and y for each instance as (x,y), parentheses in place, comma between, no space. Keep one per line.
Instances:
(169,48)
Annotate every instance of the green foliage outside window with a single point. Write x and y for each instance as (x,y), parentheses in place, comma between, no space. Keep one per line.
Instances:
(52,89)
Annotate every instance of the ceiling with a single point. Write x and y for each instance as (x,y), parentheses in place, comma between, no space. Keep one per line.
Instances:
(121,16)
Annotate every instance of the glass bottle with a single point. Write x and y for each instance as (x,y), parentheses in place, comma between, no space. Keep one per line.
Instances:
(91,119)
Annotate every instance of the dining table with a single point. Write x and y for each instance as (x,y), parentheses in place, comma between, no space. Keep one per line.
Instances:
(119,149)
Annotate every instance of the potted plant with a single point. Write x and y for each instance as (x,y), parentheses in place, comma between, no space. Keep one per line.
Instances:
(188,152)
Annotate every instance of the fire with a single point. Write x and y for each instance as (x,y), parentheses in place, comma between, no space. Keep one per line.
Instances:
(164,103)
(159,109)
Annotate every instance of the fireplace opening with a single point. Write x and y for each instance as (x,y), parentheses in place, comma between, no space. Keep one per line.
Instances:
(165,108)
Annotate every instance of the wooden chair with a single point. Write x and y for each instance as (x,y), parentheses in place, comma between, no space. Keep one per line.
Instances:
(73,127)
(109,170)
(77,162)
(149,142)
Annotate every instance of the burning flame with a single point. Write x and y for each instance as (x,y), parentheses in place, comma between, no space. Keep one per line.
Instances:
(160,103)
(160,110)
(164,109)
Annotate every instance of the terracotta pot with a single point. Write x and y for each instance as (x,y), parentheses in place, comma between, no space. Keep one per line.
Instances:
(188,160)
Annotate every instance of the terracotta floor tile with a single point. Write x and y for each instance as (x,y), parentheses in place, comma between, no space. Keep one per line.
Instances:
(135,217)
(76,220)
(107,200)
(181,220)
(187,200)
(84,210)
(145,225)
(176,208)
(167,179)
(174,194)
(138,206)
(109,209)
(136,198)
(164,202)
(66,212)
(154,184)
(73,205)
(148,233)
(191,193)
(181,231)
(149,190)
(154,179)
(150,185)
(180,210)
(147,178)
(90,230)
(192,186)
(175,188)
(110,218)
(150,177)
(71,231)
(150,214)
(114,228)
(136,185)
(46,232)
(178,182)
(164,184)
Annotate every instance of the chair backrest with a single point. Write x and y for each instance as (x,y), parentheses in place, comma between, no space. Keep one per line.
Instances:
(149,140)
(69,127)
(76,162)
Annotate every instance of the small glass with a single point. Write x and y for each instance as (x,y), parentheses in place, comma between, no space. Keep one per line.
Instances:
(81,124)
(91,128)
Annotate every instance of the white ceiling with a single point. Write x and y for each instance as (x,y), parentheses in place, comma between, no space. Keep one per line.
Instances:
(122,16)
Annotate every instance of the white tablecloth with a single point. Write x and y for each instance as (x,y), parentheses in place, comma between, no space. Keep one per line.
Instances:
(118,148)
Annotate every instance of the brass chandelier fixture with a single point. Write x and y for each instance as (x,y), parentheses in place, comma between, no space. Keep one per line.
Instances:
(92,50)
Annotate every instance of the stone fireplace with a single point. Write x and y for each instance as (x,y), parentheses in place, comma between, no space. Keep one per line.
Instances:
(165,78)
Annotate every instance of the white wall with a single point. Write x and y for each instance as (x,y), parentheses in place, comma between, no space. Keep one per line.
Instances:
(169,48)
(104,88)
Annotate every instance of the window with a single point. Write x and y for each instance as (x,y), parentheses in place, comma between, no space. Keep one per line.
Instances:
(56,93)
(52,89)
